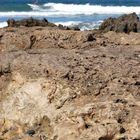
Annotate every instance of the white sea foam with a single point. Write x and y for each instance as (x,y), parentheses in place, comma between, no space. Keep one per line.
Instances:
(87,9)
(3,24)
(34,6)
(59,9)
(80,24)
(67,10)
(68,23)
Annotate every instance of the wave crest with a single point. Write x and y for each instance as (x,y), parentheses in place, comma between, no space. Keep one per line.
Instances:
(81,25)
(59,9)
(87,9)
(3,24)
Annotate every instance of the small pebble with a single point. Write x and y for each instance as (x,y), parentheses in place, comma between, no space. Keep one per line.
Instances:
(30,132)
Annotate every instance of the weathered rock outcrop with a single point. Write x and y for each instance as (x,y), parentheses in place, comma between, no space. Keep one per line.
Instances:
(126,23)
(68,85)
(31,22)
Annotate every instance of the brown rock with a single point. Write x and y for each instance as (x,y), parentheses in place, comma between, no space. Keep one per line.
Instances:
(65,84)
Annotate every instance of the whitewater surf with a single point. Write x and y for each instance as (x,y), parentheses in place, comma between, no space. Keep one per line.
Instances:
(85,16)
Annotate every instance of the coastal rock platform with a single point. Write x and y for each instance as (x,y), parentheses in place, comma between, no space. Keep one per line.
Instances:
(69,85)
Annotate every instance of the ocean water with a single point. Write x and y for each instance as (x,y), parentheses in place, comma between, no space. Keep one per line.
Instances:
(86,14)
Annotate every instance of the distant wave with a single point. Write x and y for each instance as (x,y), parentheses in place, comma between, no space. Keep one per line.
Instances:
(36,14)
(87,9)
(80,24)
(41,8)
(3,24)
(69,23)
(34,7)
(59,9)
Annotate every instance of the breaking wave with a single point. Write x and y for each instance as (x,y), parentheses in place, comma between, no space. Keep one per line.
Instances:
(59,9)
(87,9)
(80,24)
(66,14)
(3,24)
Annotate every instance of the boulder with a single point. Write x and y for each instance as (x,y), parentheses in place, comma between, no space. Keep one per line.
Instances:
(125,23)
(75,28)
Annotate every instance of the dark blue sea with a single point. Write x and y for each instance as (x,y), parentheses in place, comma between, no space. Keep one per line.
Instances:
(86,14)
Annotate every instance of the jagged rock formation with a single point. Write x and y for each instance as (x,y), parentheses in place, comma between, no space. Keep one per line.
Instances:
(125,23)
(31,22)
(69,85)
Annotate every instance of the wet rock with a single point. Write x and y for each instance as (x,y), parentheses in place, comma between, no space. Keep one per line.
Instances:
(63,27)
(68,28)
(126,23)
(75,28)
(29,22)
(30,132)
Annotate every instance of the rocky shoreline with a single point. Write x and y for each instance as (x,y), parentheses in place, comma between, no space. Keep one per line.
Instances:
(63,84)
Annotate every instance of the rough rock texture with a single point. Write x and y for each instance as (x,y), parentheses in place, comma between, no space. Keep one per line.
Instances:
(68,85)
(31,22)
(126,23)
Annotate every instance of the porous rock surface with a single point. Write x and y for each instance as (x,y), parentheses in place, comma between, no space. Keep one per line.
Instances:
(126,23)
(69,85)
(32,22)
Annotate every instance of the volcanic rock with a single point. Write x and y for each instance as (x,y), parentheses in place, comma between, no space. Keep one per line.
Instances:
(68,85)
(29,22)
(125,23)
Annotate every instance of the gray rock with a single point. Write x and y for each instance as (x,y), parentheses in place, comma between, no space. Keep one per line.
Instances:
(125,23)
